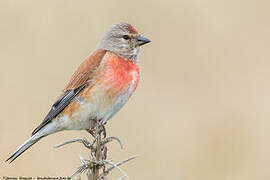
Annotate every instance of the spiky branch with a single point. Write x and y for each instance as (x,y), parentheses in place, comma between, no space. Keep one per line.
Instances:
(98,167)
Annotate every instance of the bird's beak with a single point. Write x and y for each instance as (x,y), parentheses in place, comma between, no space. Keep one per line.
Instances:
(142,40)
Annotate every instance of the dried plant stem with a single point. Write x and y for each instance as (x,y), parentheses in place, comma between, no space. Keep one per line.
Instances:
(95,167)
(98,154)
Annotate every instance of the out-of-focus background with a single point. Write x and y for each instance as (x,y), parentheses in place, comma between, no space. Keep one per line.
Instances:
(202,108)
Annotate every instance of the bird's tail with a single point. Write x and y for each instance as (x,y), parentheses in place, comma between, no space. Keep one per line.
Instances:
(27,144)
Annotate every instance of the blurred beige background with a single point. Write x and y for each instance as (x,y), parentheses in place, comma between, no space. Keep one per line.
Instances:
(201,111)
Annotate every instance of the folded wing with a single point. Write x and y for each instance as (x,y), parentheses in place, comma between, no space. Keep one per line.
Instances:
(79,80)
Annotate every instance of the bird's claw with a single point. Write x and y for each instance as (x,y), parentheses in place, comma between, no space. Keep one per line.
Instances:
(92,132)
(103,130)
(98,128)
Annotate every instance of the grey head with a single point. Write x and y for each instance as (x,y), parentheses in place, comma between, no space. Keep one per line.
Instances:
(123,40)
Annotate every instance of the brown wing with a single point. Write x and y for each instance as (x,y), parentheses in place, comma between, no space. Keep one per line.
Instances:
(85,70)
(79,80)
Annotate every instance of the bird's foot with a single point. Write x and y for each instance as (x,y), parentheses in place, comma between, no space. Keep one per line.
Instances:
(103,131)
(92,132)
(102,128)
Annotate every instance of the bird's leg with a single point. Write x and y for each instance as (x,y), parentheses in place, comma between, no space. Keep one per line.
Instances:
(92,132)
(102,126)
(92,129)
(103,130)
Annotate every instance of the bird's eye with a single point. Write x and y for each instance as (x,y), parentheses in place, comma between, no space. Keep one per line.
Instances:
(126,37)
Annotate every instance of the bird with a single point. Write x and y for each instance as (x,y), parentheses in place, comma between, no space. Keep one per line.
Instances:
(99,87)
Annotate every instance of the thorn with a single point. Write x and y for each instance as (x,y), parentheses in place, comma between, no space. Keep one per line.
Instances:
(120,163)
(84,141)
(109,139)
(115,166)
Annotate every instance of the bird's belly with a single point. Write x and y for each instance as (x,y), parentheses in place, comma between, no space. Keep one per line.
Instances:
(108,103)
(101,105)
(117,103)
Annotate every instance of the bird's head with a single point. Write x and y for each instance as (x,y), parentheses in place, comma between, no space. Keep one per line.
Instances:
(124,40)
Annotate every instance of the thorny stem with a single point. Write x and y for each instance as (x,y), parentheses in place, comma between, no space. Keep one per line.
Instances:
(95,167)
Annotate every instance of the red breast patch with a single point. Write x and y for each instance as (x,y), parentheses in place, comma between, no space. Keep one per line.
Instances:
(122,73)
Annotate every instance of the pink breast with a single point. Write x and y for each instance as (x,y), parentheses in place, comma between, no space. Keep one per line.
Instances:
(121,74)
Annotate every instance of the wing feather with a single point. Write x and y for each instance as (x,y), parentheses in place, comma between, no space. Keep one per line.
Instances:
(79,80)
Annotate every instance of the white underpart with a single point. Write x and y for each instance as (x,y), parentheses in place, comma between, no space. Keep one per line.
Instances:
(120,102)
(137,52)
(56,125)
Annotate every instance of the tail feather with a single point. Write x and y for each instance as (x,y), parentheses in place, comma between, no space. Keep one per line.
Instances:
(27,144)
(50,128)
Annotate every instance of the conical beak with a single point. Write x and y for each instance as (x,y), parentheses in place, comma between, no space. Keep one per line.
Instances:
(142,40)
